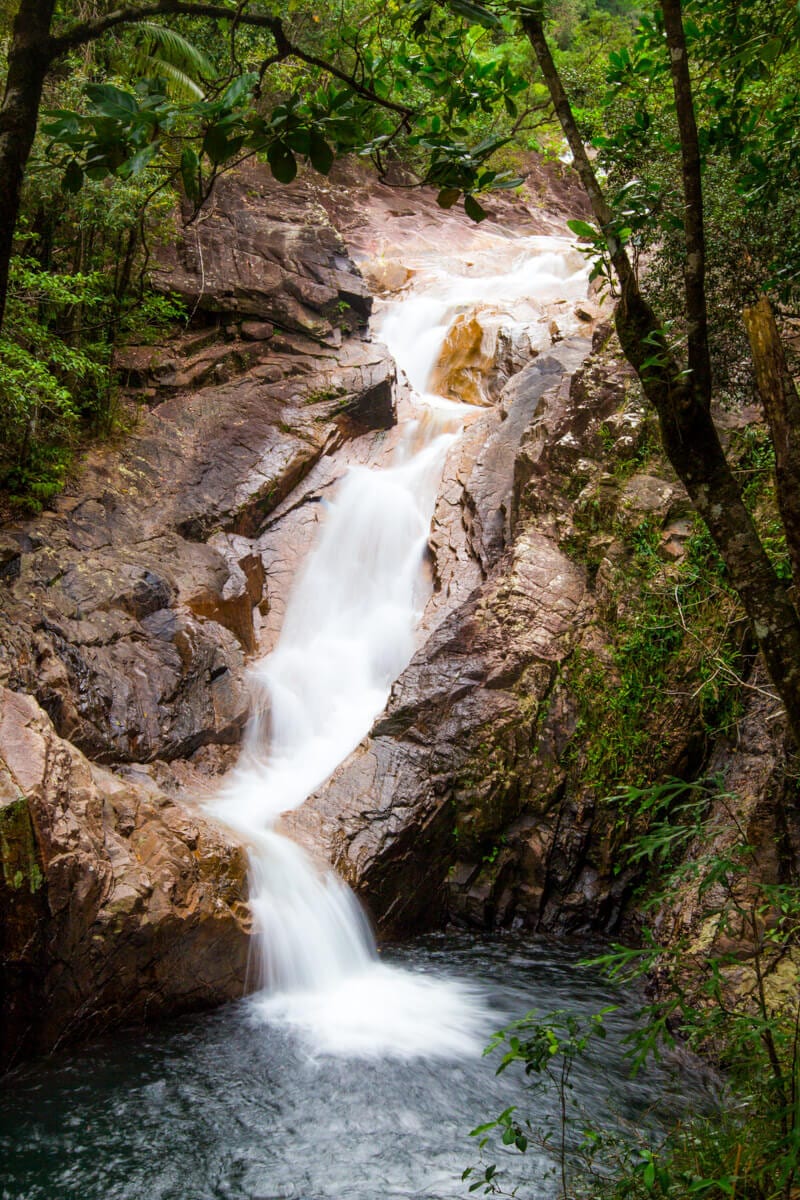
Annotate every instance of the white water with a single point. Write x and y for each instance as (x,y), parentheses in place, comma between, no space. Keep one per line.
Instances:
(535,272)
(348,632)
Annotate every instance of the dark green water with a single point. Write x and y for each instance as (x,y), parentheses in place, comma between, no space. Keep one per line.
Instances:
(228,1107)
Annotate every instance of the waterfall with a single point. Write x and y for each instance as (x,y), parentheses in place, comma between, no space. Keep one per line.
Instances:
(348,632)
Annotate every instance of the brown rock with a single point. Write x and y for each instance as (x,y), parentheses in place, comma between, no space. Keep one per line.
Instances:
(257,331)
(125,611)
(268,252)
(116,903)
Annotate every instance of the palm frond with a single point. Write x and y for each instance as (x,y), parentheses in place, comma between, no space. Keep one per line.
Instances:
(159,41)
(162,53)
(180,86)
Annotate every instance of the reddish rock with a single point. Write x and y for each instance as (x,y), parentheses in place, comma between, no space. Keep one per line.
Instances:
(257,331)
(116,902)
(262,250)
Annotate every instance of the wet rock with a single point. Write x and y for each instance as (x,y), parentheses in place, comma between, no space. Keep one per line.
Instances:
(386,275)
(116,903)
(471,798)
(481,352)
(467,356)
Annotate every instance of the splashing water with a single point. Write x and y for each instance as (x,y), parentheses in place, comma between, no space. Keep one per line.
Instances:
(348,632)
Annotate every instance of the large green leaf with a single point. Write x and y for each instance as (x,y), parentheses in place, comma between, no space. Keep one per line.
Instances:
(473,209)
(319,152)
(475,13)
(582,229)
(190,168)
(283,163)
(219,147)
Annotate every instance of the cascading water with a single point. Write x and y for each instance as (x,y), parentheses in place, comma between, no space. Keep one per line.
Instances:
(348,632)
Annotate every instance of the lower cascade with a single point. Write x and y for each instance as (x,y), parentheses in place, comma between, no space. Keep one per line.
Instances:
(348,632)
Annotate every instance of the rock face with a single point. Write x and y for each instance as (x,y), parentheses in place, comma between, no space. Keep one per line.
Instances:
(116,903)
(270,253)
(477,795)
(755,804)
(128,610)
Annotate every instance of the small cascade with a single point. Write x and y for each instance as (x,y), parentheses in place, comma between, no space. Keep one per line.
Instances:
(348,632)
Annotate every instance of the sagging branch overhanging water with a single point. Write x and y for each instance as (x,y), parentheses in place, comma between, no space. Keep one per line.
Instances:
(349,631)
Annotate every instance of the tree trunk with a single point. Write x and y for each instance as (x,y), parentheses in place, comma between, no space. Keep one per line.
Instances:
(28,62)
(782,408)
(694,263)
(692,444)
(688,432)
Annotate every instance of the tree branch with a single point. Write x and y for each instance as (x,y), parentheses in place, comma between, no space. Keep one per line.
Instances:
(688,433)
(89,31)
(782,408)
(533,26)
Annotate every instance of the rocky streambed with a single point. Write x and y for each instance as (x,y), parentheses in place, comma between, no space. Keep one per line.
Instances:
(130,611)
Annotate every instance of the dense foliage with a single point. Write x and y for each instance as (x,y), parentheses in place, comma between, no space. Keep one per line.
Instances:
(727,989)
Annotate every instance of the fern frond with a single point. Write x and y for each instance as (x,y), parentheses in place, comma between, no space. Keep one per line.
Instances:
(179,85)
(159,41)
(161,53)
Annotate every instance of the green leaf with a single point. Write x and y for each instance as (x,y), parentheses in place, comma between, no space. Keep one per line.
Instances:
(190,168)
(218,146)
(136,164)
(422,20)
(583,229)
(447,197)
(475,13)
(215,144)
(240,88)
(73,178)
(320,153)
(111,101)
(473,209)
(283,163)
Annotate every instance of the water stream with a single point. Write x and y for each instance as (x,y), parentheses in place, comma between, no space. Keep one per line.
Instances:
(348,632)
(220,1107)
(351,1075)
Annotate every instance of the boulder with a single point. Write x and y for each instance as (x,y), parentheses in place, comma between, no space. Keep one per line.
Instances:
(117,903)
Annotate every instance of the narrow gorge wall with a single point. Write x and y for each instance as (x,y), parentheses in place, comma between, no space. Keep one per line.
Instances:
(558,666)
